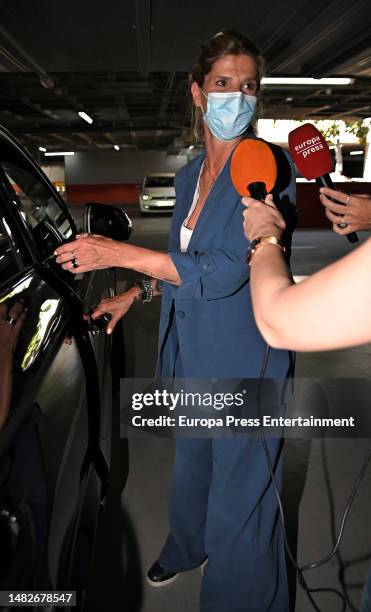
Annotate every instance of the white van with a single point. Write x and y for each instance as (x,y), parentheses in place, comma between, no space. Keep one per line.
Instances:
(158,193)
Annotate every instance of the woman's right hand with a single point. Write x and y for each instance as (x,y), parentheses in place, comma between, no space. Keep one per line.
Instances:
(116,306)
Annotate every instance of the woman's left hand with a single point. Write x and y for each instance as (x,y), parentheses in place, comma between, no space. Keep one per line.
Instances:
(262,218)
(88,252)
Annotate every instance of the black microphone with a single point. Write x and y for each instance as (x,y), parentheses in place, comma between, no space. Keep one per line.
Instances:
(258,190)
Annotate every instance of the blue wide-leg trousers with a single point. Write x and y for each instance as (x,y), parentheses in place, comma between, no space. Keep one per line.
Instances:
(223,507)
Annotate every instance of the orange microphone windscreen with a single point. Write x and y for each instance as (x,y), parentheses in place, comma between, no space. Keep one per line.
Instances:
(253,161)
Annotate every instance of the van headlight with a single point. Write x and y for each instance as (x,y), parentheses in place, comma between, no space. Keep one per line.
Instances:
(145,197)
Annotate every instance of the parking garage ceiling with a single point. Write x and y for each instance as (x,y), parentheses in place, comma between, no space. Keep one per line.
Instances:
(125,63)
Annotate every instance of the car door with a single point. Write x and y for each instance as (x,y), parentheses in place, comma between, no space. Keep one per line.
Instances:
(51,459)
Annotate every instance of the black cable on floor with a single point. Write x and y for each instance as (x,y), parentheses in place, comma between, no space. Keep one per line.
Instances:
(328,557)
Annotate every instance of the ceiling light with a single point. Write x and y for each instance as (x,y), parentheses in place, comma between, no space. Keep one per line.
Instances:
(191,147)
(86,117)
(306,81)
(116,147)
(289,99)
(47,82)
(356,153)
(55,153)
(42,149)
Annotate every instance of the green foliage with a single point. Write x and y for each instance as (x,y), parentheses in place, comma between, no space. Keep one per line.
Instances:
(332,131)
(359,129)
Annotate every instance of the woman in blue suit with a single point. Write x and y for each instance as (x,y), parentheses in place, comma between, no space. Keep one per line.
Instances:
(222,508)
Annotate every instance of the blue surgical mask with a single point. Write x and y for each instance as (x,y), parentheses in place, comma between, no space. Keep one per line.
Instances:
(229,114)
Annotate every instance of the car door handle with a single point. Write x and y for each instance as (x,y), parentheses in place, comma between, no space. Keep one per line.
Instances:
(99,324)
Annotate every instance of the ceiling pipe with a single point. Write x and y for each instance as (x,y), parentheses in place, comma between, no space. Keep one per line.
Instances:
(45,80)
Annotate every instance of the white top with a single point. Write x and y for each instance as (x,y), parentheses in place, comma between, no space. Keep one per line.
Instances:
(185,232)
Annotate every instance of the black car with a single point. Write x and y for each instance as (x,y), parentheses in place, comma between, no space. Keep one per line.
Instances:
(55,383)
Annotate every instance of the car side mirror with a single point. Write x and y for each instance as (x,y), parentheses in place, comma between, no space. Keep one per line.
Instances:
(108,221)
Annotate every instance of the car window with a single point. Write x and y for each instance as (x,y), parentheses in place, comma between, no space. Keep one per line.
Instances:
(159,181)
(38,206)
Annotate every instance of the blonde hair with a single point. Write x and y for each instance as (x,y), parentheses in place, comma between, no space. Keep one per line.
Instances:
(229,42)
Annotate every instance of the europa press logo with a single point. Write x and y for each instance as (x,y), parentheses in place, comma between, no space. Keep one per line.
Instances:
(307,147)
(310,151)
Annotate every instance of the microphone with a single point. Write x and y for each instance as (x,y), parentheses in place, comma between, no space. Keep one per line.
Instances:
(312,157)
(253,169)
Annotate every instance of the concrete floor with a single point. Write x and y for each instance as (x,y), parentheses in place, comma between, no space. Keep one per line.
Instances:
(318,481)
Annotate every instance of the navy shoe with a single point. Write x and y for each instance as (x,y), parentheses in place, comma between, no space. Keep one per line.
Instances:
(158,577)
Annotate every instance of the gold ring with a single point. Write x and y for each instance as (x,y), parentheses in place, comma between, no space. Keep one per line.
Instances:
(342,220)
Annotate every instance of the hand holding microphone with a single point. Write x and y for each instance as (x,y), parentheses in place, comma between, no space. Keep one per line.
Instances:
(262,218)
(356,215)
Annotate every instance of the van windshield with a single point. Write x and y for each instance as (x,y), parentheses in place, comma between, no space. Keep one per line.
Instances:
(159,181)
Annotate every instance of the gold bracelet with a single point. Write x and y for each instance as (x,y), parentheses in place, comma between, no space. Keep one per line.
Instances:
(259,242)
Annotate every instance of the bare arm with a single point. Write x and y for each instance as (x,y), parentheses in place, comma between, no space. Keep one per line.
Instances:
(151,263)
(329,310)
(94,252)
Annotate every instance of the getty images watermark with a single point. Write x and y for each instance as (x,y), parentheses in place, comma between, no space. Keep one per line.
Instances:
(217,408)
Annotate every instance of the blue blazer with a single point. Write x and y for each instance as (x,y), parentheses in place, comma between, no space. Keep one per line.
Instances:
(210,314)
